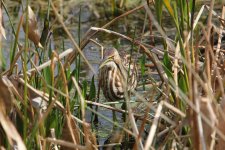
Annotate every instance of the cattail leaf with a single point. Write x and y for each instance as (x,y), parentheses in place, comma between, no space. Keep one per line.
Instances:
(158,8)
(47,75)
(45,32)
(84,85)
(92,93)
(167,65)
(182,83)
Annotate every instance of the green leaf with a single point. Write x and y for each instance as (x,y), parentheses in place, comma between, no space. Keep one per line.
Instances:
(3,61)
(167,65)
(84,91)
(142,64)
(70,82)
(182,83)
(92,93)
(158,8)
(47,75)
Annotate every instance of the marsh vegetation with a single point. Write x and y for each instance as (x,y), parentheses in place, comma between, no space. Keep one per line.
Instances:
(50,54)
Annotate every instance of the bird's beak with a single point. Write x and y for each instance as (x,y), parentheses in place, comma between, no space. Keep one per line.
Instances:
(105,61)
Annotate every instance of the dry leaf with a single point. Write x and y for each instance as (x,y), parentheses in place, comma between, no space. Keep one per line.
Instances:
(66,135)
(33,32)
(206,128)
(90,140)
(5,97)
(35,96)
(6,101)
(219,123)
(2,30)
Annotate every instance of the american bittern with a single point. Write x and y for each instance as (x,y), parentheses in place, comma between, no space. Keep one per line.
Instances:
(117,73)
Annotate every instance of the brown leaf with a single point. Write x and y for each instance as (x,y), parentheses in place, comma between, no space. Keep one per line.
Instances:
(32,93)
(220,123)
(5,98)
(2,30)
(90,139)
(206,128)
(33,32)
(66,135)
(8,127)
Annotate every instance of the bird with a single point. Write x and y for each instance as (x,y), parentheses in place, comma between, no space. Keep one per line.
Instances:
(117,73)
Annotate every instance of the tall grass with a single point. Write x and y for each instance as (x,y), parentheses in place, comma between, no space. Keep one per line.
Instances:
(45,105)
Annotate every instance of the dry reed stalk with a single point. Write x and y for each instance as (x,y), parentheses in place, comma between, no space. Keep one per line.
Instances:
(151,56)
(220,35)
(102,48)
(142,32)
(137,116)
(72,128)
(132,121)
(152,131)
(2,30)
(6,99)
(163,116)
(203,117)
(46,64)
(208,47)
(142,126)
(158,27)
(90,34)
(33,93)
(89,137)
(71,37)
(65,144)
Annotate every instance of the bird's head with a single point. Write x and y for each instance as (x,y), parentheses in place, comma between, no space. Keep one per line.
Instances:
(110,54)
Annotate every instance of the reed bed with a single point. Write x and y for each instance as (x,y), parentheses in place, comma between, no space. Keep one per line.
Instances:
(179,103)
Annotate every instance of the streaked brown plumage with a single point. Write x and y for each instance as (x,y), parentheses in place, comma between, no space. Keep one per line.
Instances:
(113,74)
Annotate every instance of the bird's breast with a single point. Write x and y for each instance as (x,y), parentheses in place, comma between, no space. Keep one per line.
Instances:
(111,83)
